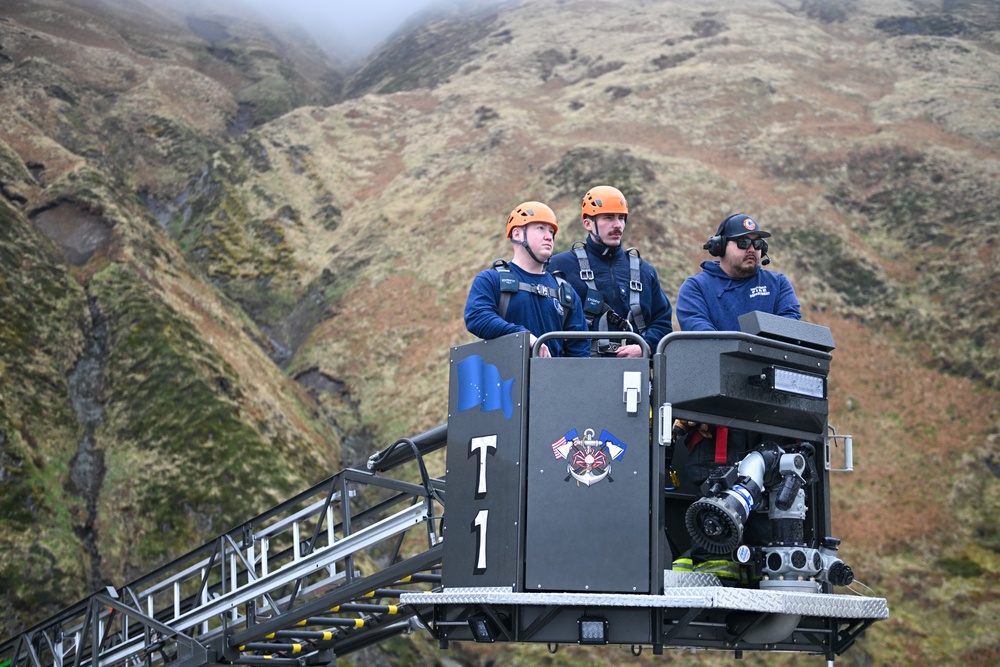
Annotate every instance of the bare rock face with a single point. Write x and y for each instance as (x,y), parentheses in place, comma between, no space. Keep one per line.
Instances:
(76,231)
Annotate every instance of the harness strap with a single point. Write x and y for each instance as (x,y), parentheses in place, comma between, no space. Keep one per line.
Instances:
(509,284)
(721,443)
(593,304)
(595,307)
(634,289)
(541,290)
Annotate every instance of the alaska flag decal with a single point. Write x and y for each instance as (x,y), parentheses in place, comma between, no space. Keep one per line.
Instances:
(615,446)
(480,384)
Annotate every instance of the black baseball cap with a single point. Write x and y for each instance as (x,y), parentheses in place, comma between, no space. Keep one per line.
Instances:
(740,225)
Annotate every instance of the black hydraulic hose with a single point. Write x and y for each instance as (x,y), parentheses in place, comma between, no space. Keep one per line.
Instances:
(396,455)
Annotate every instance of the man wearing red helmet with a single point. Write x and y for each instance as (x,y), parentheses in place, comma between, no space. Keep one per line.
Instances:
(520,295)
(620,291)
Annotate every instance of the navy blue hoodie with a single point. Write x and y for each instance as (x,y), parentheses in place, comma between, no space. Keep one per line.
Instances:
(713,301)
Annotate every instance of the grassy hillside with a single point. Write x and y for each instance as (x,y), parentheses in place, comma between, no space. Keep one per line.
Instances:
(138,417)
(201,306)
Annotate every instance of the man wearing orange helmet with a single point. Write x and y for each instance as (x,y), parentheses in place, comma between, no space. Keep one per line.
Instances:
(520,295)
(620,290)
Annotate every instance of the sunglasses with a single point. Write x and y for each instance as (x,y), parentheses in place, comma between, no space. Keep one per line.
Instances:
(743,243)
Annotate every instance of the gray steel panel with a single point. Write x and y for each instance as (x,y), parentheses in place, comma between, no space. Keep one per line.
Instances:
(482,518)
(710,376)
(782,328)
(581,537)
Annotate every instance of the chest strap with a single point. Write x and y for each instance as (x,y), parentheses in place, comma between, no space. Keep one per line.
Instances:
(509,284)
(596,308)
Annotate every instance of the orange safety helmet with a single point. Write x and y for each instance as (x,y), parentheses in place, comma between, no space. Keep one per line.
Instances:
(531,211)
(603,199)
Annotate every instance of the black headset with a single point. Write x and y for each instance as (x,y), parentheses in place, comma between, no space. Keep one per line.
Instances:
(716,246)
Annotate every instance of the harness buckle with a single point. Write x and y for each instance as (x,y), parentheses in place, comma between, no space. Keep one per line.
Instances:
(635,285)
(541,290)
(619,322)
(586,274)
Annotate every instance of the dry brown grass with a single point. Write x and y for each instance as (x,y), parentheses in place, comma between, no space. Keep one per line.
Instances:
(910,427)
(719,106)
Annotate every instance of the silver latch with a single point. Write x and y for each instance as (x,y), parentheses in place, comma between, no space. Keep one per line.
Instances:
(631,386)
(666,424)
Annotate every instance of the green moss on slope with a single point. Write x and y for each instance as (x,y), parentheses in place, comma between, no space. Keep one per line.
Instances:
(859,285)
(190,457)
(424,58)
(41,313)
(926,257)
(933,214)
(580,169)
(246,255)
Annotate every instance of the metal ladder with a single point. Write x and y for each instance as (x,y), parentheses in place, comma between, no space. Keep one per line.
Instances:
(316,577)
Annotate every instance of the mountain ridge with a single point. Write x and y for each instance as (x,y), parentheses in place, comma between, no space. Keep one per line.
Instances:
(280,291)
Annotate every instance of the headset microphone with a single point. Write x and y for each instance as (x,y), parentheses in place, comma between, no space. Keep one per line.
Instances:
(765,260)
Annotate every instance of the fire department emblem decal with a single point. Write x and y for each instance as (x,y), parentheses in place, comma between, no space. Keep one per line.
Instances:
(588,459)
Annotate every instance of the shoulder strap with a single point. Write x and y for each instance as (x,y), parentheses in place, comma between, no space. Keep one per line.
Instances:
(509,284)
(593,304)
(586,274)
(635,288)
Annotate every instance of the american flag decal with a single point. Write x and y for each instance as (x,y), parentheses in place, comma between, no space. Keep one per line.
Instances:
(562,446)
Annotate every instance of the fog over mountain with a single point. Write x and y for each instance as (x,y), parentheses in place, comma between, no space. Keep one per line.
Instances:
(350,30)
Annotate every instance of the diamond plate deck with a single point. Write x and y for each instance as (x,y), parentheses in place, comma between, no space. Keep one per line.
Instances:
(695,595)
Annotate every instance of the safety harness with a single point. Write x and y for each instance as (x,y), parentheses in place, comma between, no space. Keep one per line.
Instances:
(595,308)
(721,442)
(509,285)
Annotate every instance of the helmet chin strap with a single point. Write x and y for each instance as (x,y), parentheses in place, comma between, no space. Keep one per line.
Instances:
(524,242)
(597,231)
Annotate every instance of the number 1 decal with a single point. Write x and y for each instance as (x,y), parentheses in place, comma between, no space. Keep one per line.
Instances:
(479,527)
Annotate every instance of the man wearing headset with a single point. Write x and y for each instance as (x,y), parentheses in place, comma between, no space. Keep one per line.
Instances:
(714,299)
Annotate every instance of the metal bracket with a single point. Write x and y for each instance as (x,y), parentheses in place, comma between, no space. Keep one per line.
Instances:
(631,385)
(666,436)
(832,437)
